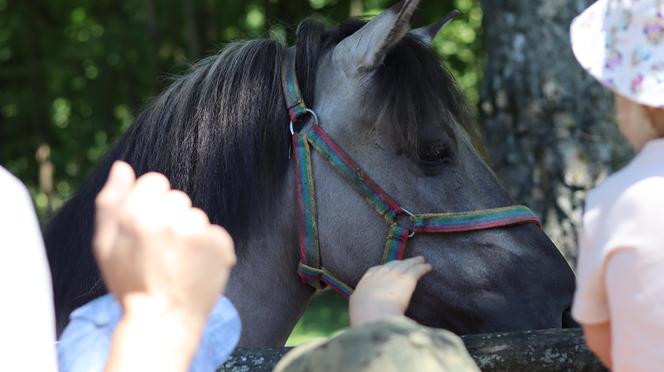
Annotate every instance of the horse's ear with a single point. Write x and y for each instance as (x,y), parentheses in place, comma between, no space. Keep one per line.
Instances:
(428,33)
(365,49)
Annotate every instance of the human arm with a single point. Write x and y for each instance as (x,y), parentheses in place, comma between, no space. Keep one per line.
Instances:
(166,265)
(598,338)
(620,272)
(386,290)
(591,306)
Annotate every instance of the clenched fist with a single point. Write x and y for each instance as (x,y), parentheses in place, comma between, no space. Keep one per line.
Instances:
(155,251)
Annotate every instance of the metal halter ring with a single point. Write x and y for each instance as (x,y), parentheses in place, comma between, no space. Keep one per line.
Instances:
(292,131)
(406,211)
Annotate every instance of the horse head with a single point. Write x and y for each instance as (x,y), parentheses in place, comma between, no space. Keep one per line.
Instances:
(382,97)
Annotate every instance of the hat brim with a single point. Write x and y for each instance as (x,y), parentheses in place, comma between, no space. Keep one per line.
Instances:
(608,41)
(588,38)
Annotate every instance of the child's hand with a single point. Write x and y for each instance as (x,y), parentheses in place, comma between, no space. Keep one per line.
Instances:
(165,263)
(386,290)
(154,248)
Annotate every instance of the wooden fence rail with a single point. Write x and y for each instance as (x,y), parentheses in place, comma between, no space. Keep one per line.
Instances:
(545,351)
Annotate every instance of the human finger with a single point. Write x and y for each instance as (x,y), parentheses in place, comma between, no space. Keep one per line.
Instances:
(417,271)
(373,269)
(143,204)
(390,265)
(118,184)
(177,200)
(120,180)
(403,265)
(224,242)
(191,222)
(150,185)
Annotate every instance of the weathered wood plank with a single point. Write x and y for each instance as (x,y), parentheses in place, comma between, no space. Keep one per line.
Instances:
(545,350)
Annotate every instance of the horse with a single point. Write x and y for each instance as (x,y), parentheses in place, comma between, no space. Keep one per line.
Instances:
(221,134)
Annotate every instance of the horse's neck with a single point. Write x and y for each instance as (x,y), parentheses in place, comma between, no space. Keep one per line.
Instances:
(264,285)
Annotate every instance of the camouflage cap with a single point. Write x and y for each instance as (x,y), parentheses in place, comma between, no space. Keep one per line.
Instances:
(394,344)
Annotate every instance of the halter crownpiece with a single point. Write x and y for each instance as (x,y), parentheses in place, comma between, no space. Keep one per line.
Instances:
(294,101)
(310,268)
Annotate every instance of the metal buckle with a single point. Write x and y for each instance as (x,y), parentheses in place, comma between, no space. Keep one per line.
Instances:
(406,211)
(312,113)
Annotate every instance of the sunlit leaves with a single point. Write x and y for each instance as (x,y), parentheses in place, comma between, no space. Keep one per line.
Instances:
(10,110)
(255,18)
(123,114)
(460,46)
(318,4)
(61,112)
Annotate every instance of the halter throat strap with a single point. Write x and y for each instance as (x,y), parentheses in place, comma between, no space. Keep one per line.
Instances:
(311,269)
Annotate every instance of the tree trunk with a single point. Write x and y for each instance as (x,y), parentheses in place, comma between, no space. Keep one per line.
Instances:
(549,125)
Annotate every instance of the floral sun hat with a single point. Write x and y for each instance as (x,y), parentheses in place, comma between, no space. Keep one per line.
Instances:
(621,44)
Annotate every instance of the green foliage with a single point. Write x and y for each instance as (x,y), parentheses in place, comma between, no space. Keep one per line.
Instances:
(327,313)
(73,73)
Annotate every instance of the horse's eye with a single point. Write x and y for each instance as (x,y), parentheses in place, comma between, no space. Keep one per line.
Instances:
(433,153)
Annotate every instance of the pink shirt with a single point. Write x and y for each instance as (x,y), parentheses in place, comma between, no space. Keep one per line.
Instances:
(620,273)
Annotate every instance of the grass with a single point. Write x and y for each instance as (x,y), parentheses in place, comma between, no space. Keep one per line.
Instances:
(327,313)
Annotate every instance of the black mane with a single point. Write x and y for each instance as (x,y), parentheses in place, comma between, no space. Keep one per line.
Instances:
(220,133)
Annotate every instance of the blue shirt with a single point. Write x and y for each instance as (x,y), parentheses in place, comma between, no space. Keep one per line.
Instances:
(86,342)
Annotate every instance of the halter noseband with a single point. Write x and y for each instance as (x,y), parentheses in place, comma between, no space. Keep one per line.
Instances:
(311,269)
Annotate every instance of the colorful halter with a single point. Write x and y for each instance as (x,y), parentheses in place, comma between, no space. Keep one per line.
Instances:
(311,269)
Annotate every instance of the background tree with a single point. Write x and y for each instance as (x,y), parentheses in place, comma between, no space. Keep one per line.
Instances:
(548,124)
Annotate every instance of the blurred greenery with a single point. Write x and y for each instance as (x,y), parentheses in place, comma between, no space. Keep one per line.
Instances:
(74,73)
(327,313)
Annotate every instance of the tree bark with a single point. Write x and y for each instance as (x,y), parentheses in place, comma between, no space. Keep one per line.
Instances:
(548,124)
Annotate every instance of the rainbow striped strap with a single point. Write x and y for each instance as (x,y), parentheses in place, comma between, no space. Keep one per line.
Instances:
(383,203)
(395,246)
(294,102)
(472,221)
(321,277)
(310,275)
(307,214)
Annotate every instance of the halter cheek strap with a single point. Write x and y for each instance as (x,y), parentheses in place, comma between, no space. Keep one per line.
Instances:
(310,268)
